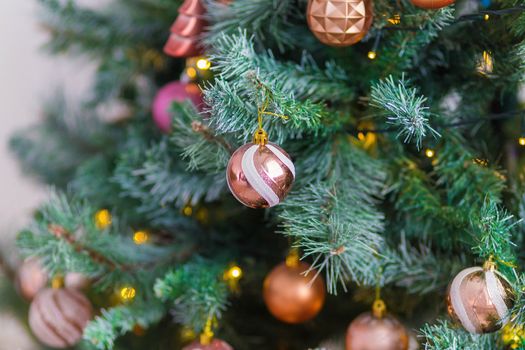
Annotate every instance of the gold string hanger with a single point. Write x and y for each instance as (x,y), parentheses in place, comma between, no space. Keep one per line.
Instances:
(207,334)
(379,306)
(261,136)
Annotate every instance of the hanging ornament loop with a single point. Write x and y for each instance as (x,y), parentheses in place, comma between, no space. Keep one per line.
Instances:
(490,264)
(207,334)
(261,136)
(379,306)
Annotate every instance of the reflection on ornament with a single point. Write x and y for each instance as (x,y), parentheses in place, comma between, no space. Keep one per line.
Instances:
(103,219)
(339,22)
(480,298)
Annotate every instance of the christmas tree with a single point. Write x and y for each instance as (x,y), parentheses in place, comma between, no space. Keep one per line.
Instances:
(329,174)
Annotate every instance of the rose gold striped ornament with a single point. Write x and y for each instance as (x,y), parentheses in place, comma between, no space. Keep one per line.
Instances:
(260,176)
(480,299)
(57,316)
(339,22)
(216,344)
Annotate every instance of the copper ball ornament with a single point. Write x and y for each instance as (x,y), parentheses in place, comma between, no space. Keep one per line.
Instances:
(339,22)
(31,278)
(479,299)
(216,344)
(58,317)
(260,176)
(369,332)
(292,297)
(431,4)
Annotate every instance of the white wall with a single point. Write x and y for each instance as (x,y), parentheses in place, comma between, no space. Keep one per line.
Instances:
(27,76)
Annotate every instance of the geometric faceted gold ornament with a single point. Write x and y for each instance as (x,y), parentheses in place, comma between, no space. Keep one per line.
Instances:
(339,22)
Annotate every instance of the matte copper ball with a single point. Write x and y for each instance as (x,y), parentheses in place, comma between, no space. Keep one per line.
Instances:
(339,22)
(31,278)
(291,296)
(216,344)
(480,299)
(260,176)
(58,317)
(368,332)
(432,4)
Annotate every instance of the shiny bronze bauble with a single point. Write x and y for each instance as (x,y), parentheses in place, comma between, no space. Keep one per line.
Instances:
(260,176)
(431,4)
(216,344)
(479,299)
(368,332)
(339,22)
(291,296)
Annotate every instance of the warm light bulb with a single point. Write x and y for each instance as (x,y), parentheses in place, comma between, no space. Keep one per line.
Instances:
(187,210)
(521,141)
(102,219)
(372,55)
(235,272)
(203,64)
(429,153)
(140,237)
(191,72)
(486,17)
(127,293)
(361,136)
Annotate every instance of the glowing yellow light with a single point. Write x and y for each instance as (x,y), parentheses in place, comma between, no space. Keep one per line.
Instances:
(486,17)
(187,210)
(127,293)
(191,72)
(202,215)
(235,272)
(485,64)
(395,19)
(102,219)
(372,55)
(203,64)
(140,237)
(521,141)
(429,153)
(361,136)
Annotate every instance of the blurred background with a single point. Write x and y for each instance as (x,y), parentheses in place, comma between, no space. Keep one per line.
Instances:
(28,76)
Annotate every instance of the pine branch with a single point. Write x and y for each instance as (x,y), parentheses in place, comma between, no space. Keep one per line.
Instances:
(196,292)
(441,337)
(119,320)
(342,231)
(405,109)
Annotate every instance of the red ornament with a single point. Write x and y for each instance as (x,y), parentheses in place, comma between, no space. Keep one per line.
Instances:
(184,40)
(58,317)
(31,278)
(173,92)
(431,4)
(260,176)
(291,296)
(339,22)
(216,344)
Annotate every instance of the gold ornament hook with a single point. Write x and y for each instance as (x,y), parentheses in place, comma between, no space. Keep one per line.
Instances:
(207,334)
(261,136)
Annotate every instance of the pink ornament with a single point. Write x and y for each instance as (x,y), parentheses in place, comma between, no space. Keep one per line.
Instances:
(216,344)
(173,92)
(260,176)
(31,278)
(58,317)
(76,280)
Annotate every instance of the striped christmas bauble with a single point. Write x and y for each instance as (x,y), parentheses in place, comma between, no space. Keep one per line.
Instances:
(480,299)
(260,176)
(58,316)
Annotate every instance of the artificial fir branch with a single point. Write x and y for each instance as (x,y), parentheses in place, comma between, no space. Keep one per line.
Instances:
(441,336)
